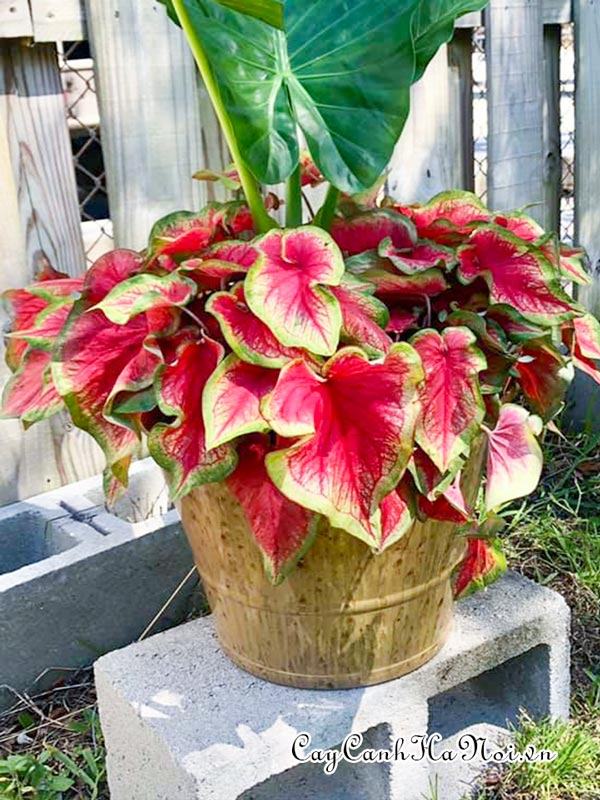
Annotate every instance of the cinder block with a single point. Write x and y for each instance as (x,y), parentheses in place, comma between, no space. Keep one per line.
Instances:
(181,721)
(76,581)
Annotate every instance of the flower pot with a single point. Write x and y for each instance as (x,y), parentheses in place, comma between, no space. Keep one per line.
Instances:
(344,617)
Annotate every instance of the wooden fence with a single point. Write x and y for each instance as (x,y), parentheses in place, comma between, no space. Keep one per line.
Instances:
(158,128)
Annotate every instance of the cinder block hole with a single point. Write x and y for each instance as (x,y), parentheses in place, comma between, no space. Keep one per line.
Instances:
(496,696)
(349,782)
(27,538)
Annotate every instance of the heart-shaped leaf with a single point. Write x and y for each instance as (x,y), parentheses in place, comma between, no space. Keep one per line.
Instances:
(364,318)
(144,292)
(366,230)
(340,71)
(544,376)
(357,424)
(287,287)
(283,530)
(451,403)
(180,447)
(30,393)
(231,400)
(514,460)
(483,564)
(517,274)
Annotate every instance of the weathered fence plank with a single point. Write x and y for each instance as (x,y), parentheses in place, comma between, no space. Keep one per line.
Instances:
(38,218)
(153,134)
(430,155)
(58,20)
(15,19)
(515,105)
(552,163)
(587,125)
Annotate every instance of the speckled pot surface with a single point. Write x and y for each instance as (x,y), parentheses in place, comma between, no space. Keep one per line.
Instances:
(343,618)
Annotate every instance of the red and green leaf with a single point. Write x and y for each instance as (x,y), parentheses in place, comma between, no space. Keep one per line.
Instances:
(346,462)
(544,377)
(514,460)
(181,234)
(452,408)
(220,263)
(515,326)
(402,319)
(283,530)
(448,218)
(180,446)
(574,265)
(287,287)
(30,393)
(586,345)
(231,400)
(517,273)
(248,336)
(145,292)
(108,271)
(418,258)
(364,318)
(393,287)
(397,513)
(365,231)
(483,564)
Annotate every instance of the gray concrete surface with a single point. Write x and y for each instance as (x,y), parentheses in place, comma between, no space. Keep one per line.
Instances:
(181,721)
(77,581)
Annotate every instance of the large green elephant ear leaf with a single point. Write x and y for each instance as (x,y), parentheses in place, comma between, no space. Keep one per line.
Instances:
(269,11)
(340,71)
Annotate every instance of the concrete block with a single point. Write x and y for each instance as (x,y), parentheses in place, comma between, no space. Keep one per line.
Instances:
(181,721)
(77,581)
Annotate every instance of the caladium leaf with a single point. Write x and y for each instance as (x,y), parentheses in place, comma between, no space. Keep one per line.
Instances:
(283,530)
(180,447)
(451,403)
(287,287)
(397,513)
(393,287)
(489,333)
(574,265)
(448,218)
(137,376)
(514,460)
(420,257)
(346,462)
(231,400)
(30,393)
(363,316)
(220,263)
(181,233)
(515,326)
(483,564)
(448,507)
(246,334)
(586,345)
(92,353)
(402,319)
(517,274)
(109,270)
(349,95)
(365,231)
(144,292)
(544,376)
(440,495)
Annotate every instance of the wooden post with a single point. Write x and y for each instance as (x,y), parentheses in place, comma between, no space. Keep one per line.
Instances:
(552,164)
(38,217)
(154,134)
(515,105)
(587,153)
(435,150)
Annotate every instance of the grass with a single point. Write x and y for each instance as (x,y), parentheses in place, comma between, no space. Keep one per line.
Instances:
(51,745)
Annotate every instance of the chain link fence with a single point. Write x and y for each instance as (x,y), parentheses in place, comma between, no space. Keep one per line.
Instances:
(77,72)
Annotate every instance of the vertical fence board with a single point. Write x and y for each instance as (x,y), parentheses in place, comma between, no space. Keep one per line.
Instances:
(552,164)
(38,217)
(15,19)
(587,152)
(149,98)
(58,20)
(429,156)
(515,105)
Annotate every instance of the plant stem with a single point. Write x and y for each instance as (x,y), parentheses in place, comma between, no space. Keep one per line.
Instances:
(262,220)
(293,200)
(325,214)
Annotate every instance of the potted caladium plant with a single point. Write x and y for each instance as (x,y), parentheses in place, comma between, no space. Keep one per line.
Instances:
(341,405)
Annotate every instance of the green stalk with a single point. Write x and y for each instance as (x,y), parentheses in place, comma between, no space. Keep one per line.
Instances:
(325,214)
(293,200)
(262,220)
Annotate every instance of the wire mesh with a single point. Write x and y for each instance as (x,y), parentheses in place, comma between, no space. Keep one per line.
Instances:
(77,76)
(567,124)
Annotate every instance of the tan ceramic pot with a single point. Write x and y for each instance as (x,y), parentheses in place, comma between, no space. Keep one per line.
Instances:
(343,618)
